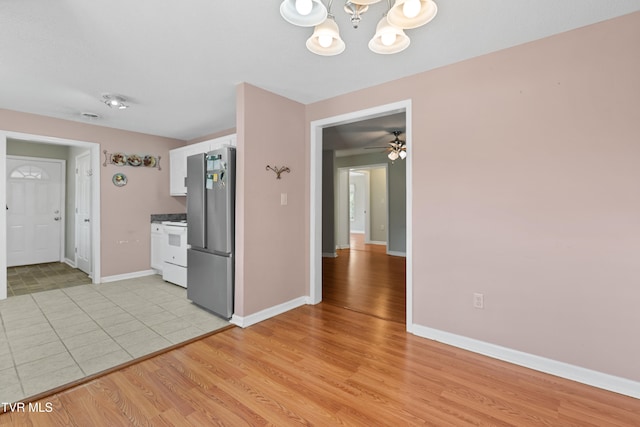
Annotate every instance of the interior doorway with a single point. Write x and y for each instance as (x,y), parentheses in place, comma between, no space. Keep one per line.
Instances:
(94,182)
(35,209)
(361,206)
(316,210)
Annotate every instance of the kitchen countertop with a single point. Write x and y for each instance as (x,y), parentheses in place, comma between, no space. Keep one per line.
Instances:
(168,217)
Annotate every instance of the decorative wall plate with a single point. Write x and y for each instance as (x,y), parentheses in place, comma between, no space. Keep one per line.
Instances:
(119,159)
(119,180)
(149,161)
(134,160)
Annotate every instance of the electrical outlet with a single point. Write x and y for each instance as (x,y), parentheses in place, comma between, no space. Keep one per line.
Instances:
(478,300)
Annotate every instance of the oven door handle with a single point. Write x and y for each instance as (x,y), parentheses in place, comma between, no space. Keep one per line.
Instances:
(175,229)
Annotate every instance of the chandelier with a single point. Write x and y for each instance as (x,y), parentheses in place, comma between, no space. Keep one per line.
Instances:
(389,37)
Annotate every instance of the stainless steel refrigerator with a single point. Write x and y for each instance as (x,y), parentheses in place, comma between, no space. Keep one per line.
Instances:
(211,230)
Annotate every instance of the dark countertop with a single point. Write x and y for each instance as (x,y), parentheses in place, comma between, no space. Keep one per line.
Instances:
(168,217)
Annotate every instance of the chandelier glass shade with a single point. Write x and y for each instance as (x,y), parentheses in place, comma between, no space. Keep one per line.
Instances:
(408,14)
(389,37)
(325,39)
(303,13)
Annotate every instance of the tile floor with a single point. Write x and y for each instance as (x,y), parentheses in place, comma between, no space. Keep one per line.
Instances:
(54,337)
(28,279)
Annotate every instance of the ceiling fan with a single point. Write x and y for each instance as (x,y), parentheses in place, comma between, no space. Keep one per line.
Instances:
(396,148)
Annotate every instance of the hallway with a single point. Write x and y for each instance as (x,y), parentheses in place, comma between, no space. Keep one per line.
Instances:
(367,280)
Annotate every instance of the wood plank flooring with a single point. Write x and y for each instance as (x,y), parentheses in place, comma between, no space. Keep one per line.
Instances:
(341,362)
(365,279)
(324,365)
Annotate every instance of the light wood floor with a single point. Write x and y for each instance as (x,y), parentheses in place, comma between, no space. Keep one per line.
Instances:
(365,279)
(324,365)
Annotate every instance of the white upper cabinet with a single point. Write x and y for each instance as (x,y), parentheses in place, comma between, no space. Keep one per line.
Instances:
(178,161)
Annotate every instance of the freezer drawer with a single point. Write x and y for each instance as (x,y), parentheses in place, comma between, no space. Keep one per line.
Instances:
(210,282)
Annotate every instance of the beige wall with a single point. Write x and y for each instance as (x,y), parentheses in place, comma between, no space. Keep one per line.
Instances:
(525,188)
(270,238)
(125,211)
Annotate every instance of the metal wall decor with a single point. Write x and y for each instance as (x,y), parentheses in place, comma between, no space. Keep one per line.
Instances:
(278,170)
(135,160)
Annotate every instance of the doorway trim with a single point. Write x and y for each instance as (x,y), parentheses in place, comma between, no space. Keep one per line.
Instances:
(77,227)
(95,197)
(315,197)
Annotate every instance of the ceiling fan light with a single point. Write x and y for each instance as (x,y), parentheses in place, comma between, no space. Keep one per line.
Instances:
(396,16)
(115,101)
(386,32)
(403,154)
(317,14)
(326,40)
(393,155)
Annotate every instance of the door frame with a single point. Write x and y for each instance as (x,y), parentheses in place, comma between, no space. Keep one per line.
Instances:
(75,213)
(367,215)
(63,192)
(315,199)
(95,197)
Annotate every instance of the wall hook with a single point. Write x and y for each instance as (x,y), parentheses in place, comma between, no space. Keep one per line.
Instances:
(277,170)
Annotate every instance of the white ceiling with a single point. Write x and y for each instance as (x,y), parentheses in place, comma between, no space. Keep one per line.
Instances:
(178,61)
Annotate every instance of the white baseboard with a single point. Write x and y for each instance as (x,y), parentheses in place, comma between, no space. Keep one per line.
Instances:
(329,255)
(542,364)
(126,276)
(396,253)
(70,262)
(267,313)
(343,246)
(375,242)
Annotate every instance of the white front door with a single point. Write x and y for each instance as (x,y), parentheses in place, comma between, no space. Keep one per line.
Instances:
(34,210)
(83,212)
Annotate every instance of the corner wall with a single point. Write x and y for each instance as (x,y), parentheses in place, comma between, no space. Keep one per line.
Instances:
(270,236)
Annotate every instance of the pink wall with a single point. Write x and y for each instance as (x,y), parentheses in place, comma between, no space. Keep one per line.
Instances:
(125,211)
(525,188)
(270,238)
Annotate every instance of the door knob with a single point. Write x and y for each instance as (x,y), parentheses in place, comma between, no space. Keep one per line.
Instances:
(87,220)
(57,218)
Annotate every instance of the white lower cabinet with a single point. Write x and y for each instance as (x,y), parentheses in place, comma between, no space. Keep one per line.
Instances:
(157,261)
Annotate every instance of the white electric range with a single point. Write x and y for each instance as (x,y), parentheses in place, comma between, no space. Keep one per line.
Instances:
(174,252)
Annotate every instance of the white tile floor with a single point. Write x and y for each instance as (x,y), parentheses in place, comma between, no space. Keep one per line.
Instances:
(51,338)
